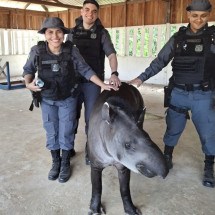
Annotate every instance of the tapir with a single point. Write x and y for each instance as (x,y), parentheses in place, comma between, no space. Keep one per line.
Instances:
(116,137)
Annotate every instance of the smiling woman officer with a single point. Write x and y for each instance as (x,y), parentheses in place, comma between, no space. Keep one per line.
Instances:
(56,63)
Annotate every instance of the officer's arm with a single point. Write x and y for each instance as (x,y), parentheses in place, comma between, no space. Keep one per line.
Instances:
(28,79)
(30,66)
(113,62)
(30,69)
(110,52)
(30,83)
(164,57)
(85,70)
(114,74)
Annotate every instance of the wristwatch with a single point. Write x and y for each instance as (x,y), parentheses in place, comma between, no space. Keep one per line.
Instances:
(115,73)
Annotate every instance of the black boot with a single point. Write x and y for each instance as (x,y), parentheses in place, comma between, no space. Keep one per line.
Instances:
(56,162)
(168,150)
(208,178)
(87,161)
(72,153)
(65,170)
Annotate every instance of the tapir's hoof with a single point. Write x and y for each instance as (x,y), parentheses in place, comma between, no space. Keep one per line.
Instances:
(102,211)
(137,212)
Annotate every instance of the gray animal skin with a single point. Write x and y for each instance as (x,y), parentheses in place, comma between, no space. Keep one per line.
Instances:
(116,137)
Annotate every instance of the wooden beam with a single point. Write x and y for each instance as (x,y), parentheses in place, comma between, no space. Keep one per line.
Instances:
(42,2)
(44,8)
(27,5)
(56,1)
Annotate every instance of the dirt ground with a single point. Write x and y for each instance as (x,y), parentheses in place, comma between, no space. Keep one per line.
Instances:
(25,162)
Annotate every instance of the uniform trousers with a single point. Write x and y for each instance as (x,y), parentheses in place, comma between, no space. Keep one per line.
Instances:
(87,94)
(59,121)
(199,104)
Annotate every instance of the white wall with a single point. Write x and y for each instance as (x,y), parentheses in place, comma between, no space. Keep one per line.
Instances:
(131,67)
(16,63)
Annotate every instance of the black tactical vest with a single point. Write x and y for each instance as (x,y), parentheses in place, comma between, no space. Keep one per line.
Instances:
(56,71)
(193,61)
(90,47)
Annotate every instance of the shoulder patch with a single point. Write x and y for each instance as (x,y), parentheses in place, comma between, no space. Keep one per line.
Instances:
(182,28)
(181,31)
(41,43)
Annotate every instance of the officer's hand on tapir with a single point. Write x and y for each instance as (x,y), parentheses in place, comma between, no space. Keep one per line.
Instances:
(114,80)
(100,83)
(109,87)
(137,82)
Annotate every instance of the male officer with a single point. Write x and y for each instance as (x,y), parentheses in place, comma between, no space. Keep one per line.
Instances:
(192,49)
(94,43)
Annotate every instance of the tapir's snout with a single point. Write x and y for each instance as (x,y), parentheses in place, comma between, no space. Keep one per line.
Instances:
(149,172)
(144,170)
(165,172)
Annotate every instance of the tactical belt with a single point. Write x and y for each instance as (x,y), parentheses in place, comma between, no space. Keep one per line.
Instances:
(206,86)
(188,87)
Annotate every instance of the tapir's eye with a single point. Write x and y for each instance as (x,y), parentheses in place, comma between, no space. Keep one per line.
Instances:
(127,145)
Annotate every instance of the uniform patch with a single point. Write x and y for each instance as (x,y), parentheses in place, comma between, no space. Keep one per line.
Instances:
(199,48)
(55,67)
(93,36)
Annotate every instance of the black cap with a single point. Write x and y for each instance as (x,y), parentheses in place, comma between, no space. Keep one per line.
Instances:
(199,5)
(53,22)
(91,2)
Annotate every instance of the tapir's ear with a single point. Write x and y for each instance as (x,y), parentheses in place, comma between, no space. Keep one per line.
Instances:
(107,112)
(141,118)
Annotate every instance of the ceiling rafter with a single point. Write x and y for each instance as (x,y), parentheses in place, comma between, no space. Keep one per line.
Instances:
(56,1)
(43,2)
(44,8)
(26,6)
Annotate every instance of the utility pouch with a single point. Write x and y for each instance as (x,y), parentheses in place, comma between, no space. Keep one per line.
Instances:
(75,91)
(167,95)
(36,99)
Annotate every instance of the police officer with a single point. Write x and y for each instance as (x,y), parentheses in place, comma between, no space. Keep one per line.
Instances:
(56,63)
(93,42)
(192,49)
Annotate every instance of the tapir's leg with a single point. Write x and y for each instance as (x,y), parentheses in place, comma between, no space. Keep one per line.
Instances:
(96,180)
(124,181)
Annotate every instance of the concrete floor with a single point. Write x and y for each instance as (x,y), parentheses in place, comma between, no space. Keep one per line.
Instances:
(25,162)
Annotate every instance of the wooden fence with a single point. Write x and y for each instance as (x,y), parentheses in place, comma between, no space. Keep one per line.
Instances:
(131,13)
